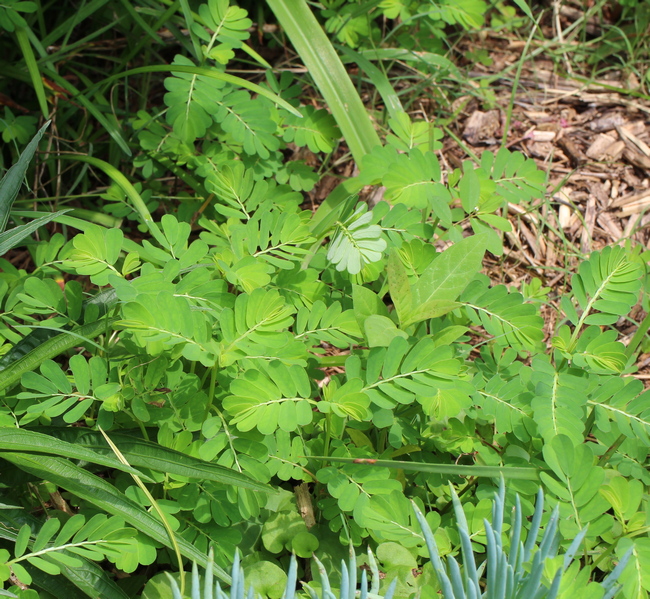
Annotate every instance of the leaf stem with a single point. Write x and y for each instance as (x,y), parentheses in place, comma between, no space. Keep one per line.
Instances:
(612,449)
(213,384)
(636,340)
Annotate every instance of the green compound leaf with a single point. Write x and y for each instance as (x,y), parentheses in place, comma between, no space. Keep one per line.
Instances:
(98,539)
(256,401)
(517,178)
(348,483)
(622,406)
(506,403)
(414,180)
(330,324)
(599,351)
(95,253)
(559,402)
(272,236)
(193,99)
(388,518)
(317,130)
(51,393)
(468,13)
(51,348)
(229,25)
(356,242)
(404,372)
(169,322)
(249,123)
(104,496)
(504,315)
(347,401)
(257,318)
(577,487)
(607,282)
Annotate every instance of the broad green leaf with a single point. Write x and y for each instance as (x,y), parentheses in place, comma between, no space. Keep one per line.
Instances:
(399,286)
(380,331)
(366,303)
(436,291)
(450,272)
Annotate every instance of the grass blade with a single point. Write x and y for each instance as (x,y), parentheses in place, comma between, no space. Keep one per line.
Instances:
(13,179)
(124,183)
(213,74)
(519,473)
(91,106)
(144,454)
(156,506)
(32,68)
(378,79)
(316,51)
(52,348)
(105,220)
(104,496)
(10,239)
(21,440)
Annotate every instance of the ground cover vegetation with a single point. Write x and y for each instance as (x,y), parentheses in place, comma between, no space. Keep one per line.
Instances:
(212,354)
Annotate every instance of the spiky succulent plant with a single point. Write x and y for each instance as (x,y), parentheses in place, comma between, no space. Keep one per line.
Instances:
(513,573)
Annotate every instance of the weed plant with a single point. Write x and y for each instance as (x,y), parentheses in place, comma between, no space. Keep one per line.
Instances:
(247,356)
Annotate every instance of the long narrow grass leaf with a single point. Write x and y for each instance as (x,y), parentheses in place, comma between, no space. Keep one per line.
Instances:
(144,454)
(156,506)
(329,74)
(32,68)
(126,186)
(377,78)
(50,349)
(13,178)
(103,495)
(10,239)
(519,473)
(27,441)
(213,74)
(112,128)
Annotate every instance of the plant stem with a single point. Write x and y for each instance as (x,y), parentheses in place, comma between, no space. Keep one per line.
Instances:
(638,336)
(612,449)
(213,384)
